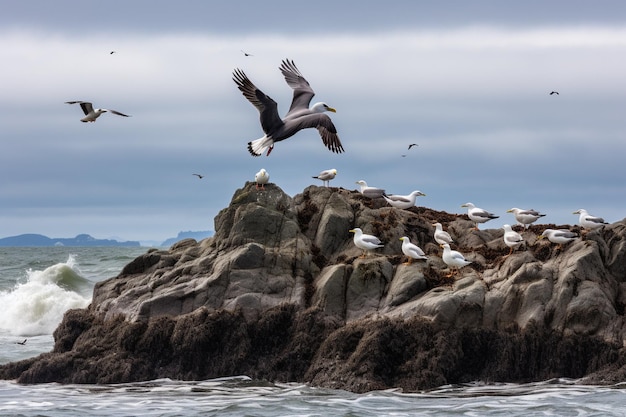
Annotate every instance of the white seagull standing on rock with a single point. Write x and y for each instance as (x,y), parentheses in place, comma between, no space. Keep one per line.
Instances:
(478,215)
(588,221)
(326,176)
(365,242)
(453,259)
(511,238)
(261,178)
(411,250)
(371,192)
(92,114)
(441,236)
(525,217)
(559,236)
(403,201)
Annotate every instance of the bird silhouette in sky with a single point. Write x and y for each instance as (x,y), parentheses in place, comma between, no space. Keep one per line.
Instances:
(198,175)
(554,92)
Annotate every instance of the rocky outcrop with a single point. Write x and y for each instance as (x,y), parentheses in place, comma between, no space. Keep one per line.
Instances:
(280,292)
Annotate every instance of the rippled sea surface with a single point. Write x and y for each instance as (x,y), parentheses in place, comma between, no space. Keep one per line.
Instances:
(241,396)
(37,284)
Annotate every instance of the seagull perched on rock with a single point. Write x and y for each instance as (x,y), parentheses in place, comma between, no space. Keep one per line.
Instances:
(371,192)
(478,215)
(403,201)
(525,217)
(441,236)
(455,260)
(261,178)
(511,238)
(92,114)
(411,250)
(588,221)
(326,176)
(559,236)
(299,116)
(365,242)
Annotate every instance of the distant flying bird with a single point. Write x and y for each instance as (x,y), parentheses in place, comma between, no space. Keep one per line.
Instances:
(261,178)
(326,176)
(245,53)
(554,92)
(511,238)
(478,215)
(525,217)
(299,116)
(410,146)
(198,175)
(403,201)
(588,221)
(111,53)
(371,192)
(21,343)
(364,241)
(92,114)
(411,250)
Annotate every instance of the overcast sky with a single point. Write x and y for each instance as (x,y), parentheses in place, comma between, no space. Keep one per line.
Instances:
(469,81)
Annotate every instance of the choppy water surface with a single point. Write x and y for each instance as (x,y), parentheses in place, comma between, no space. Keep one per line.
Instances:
(241,396)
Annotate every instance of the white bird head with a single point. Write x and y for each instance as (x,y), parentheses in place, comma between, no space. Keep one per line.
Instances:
(322,107)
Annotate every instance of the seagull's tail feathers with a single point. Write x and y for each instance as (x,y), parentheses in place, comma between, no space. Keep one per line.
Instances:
(258,146)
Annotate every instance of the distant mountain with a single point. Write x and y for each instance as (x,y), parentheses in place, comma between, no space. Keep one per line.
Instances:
(186,235)
(79,240)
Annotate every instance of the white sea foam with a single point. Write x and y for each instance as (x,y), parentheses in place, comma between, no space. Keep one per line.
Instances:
(36,306)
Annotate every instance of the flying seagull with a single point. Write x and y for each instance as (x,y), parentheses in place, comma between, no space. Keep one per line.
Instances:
(299,116)
(22,343)
(554,92)
(245,53)
(198,175)
(111,53)
(92,114)
(413,144)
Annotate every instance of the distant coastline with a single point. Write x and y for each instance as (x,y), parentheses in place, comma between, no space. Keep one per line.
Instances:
(37,240)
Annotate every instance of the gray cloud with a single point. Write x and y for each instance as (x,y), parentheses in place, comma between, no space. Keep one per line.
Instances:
(475,98)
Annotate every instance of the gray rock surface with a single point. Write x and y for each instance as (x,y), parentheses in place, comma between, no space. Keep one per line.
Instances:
(281,292)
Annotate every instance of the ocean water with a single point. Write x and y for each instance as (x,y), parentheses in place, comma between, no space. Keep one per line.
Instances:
(37,285)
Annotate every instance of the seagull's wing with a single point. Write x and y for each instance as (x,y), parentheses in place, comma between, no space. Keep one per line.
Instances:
(598,220)
(399,198)
(118,113)
(564,233)
(302,91)
(85,105)
(370,239)
(513,237)
(267,107)
(322,123)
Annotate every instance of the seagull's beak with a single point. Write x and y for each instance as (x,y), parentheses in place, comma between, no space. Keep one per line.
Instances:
(331,109)
(351,230)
